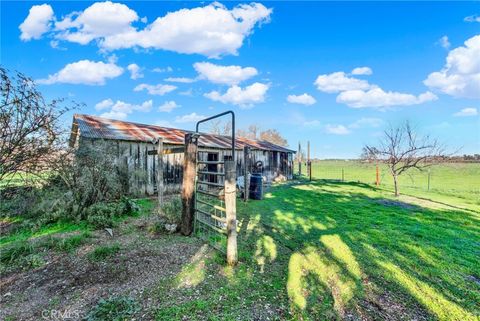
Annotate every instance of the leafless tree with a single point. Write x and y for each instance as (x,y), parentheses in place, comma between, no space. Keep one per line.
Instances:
(273,136)
(218,127)
(30,128)
(402,149)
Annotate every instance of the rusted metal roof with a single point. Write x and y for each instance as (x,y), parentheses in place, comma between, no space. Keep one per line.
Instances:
(102,128)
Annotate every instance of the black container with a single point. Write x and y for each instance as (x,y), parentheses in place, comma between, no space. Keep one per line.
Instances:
(256,187)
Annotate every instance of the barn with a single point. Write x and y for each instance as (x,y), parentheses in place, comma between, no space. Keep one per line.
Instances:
(136,151)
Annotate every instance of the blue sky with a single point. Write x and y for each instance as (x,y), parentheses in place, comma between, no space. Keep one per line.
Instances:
(334,73)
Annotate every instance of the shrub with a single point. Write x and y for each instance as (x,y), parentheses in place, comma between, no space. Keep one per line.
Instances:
(115,309)
(103,252)
(16,251)
(172,210)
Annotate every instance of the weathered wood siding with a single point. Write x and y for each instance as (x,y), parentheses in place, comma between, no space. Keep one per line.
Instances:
(141,167)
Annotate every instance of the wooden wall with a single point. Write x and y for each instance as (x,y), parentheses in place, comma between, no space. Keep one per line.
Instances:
(142,165)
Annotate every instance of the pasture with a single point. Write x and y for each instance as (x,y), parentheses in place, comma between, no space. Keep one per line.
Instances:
(320,250)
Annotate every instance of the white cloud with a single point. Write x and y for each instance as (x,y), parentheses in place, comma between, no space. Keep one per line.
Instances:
(243,97)
(460,76)
(366,122)
(183,80)
(304,99)
(228,75)
(155,89)
(337,129)
(377,97)
(168,106)
(189,118)
(212,30)
(339,81)
(472,18)
(311,123)
(38,22)
(165,123)
(362,71)
(465,112)
(84,72)
(120,110)
(444,42)
(135,71)
(104,104)
(167,69)
(101,21)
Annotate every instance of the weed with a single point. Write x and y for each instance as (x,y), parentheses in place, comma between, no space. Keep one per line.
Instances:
(103,252)
(114,309)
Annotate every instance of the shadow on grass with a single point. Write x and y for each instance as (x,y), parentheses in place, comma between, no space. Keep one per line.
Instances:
(344,237)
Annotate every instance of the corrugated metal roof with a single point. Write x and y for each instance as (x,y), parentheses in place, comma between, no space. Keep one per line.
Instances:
(98,127)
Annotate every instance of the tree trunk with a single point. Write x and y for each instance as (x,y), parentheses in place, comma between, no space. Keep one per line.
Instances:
(395,185)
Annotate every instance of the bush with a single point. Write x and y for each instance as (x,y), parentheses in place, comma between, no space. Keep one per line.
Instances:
(114,308)
(16,251)
(103,215)
(172,210)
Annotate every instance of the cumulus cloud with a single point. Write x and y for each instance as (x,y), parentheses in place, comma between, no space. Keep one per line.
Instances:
(472,18)
(183,80)
(243,97)
(159,89)
(339,81)
(135,71)
(120,109)
(189,118)
(212,30)
(444,42)
(377,97)
(304,99)
(228,75)
(85,72)
(466,112)
(167,69)
(362,71)
(38,22)
(460,76)
(168,106)
(337,129)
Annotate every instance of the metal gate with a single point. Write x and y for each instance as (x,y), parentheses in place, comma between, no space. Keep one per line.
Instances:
(215,197)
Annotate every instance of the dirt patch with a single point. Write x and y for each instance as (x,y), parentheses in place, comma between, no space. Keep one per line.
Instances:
(74,283)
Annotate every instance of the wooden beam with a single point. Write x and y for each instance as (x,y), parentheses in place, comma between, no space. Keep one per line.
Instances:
(231,211)
(168,150)
(160,171)
(188,186)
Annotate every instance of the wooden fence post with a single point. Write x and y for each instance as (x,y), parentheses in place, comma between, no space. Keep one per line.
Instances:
(188,186)
(246,181)
(377,177)
(309,161)
(160,171)
(231,211)
(299,159)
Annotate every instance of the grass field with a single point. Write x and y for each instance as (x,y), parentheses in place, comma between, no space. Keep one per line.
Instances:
(457,180)
(320,250)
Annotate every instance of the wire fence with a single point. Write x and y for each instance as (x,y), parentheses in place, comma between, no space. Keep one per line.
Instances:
(456,179)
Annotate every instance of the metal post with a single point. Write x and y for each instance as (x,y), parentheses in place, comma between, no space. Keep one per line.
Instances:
(160,171)
(246,181)
(299,159)
(231,212)
(188,186)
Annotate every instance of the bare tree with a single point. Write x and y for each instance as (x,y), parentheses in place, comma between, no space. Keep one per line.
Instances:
(402,149)
(273,136)
(30,128)
(218,127)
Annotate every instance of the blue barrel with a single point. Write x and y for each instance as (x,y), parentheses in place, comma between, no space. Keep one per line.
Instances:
(256,187)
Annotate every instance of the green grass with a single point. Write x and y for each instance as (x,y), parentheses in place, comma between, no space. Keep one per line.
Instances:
(448,180)
(326,250)
(103,252)
(114,309)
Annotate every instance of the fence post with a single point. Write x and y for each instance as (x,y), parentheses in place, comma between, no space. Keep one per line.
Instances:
(309,161)
(246,181)
(160,171)
(377,178)
(299,158)
(188,186)
(343,176)
(231,212)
